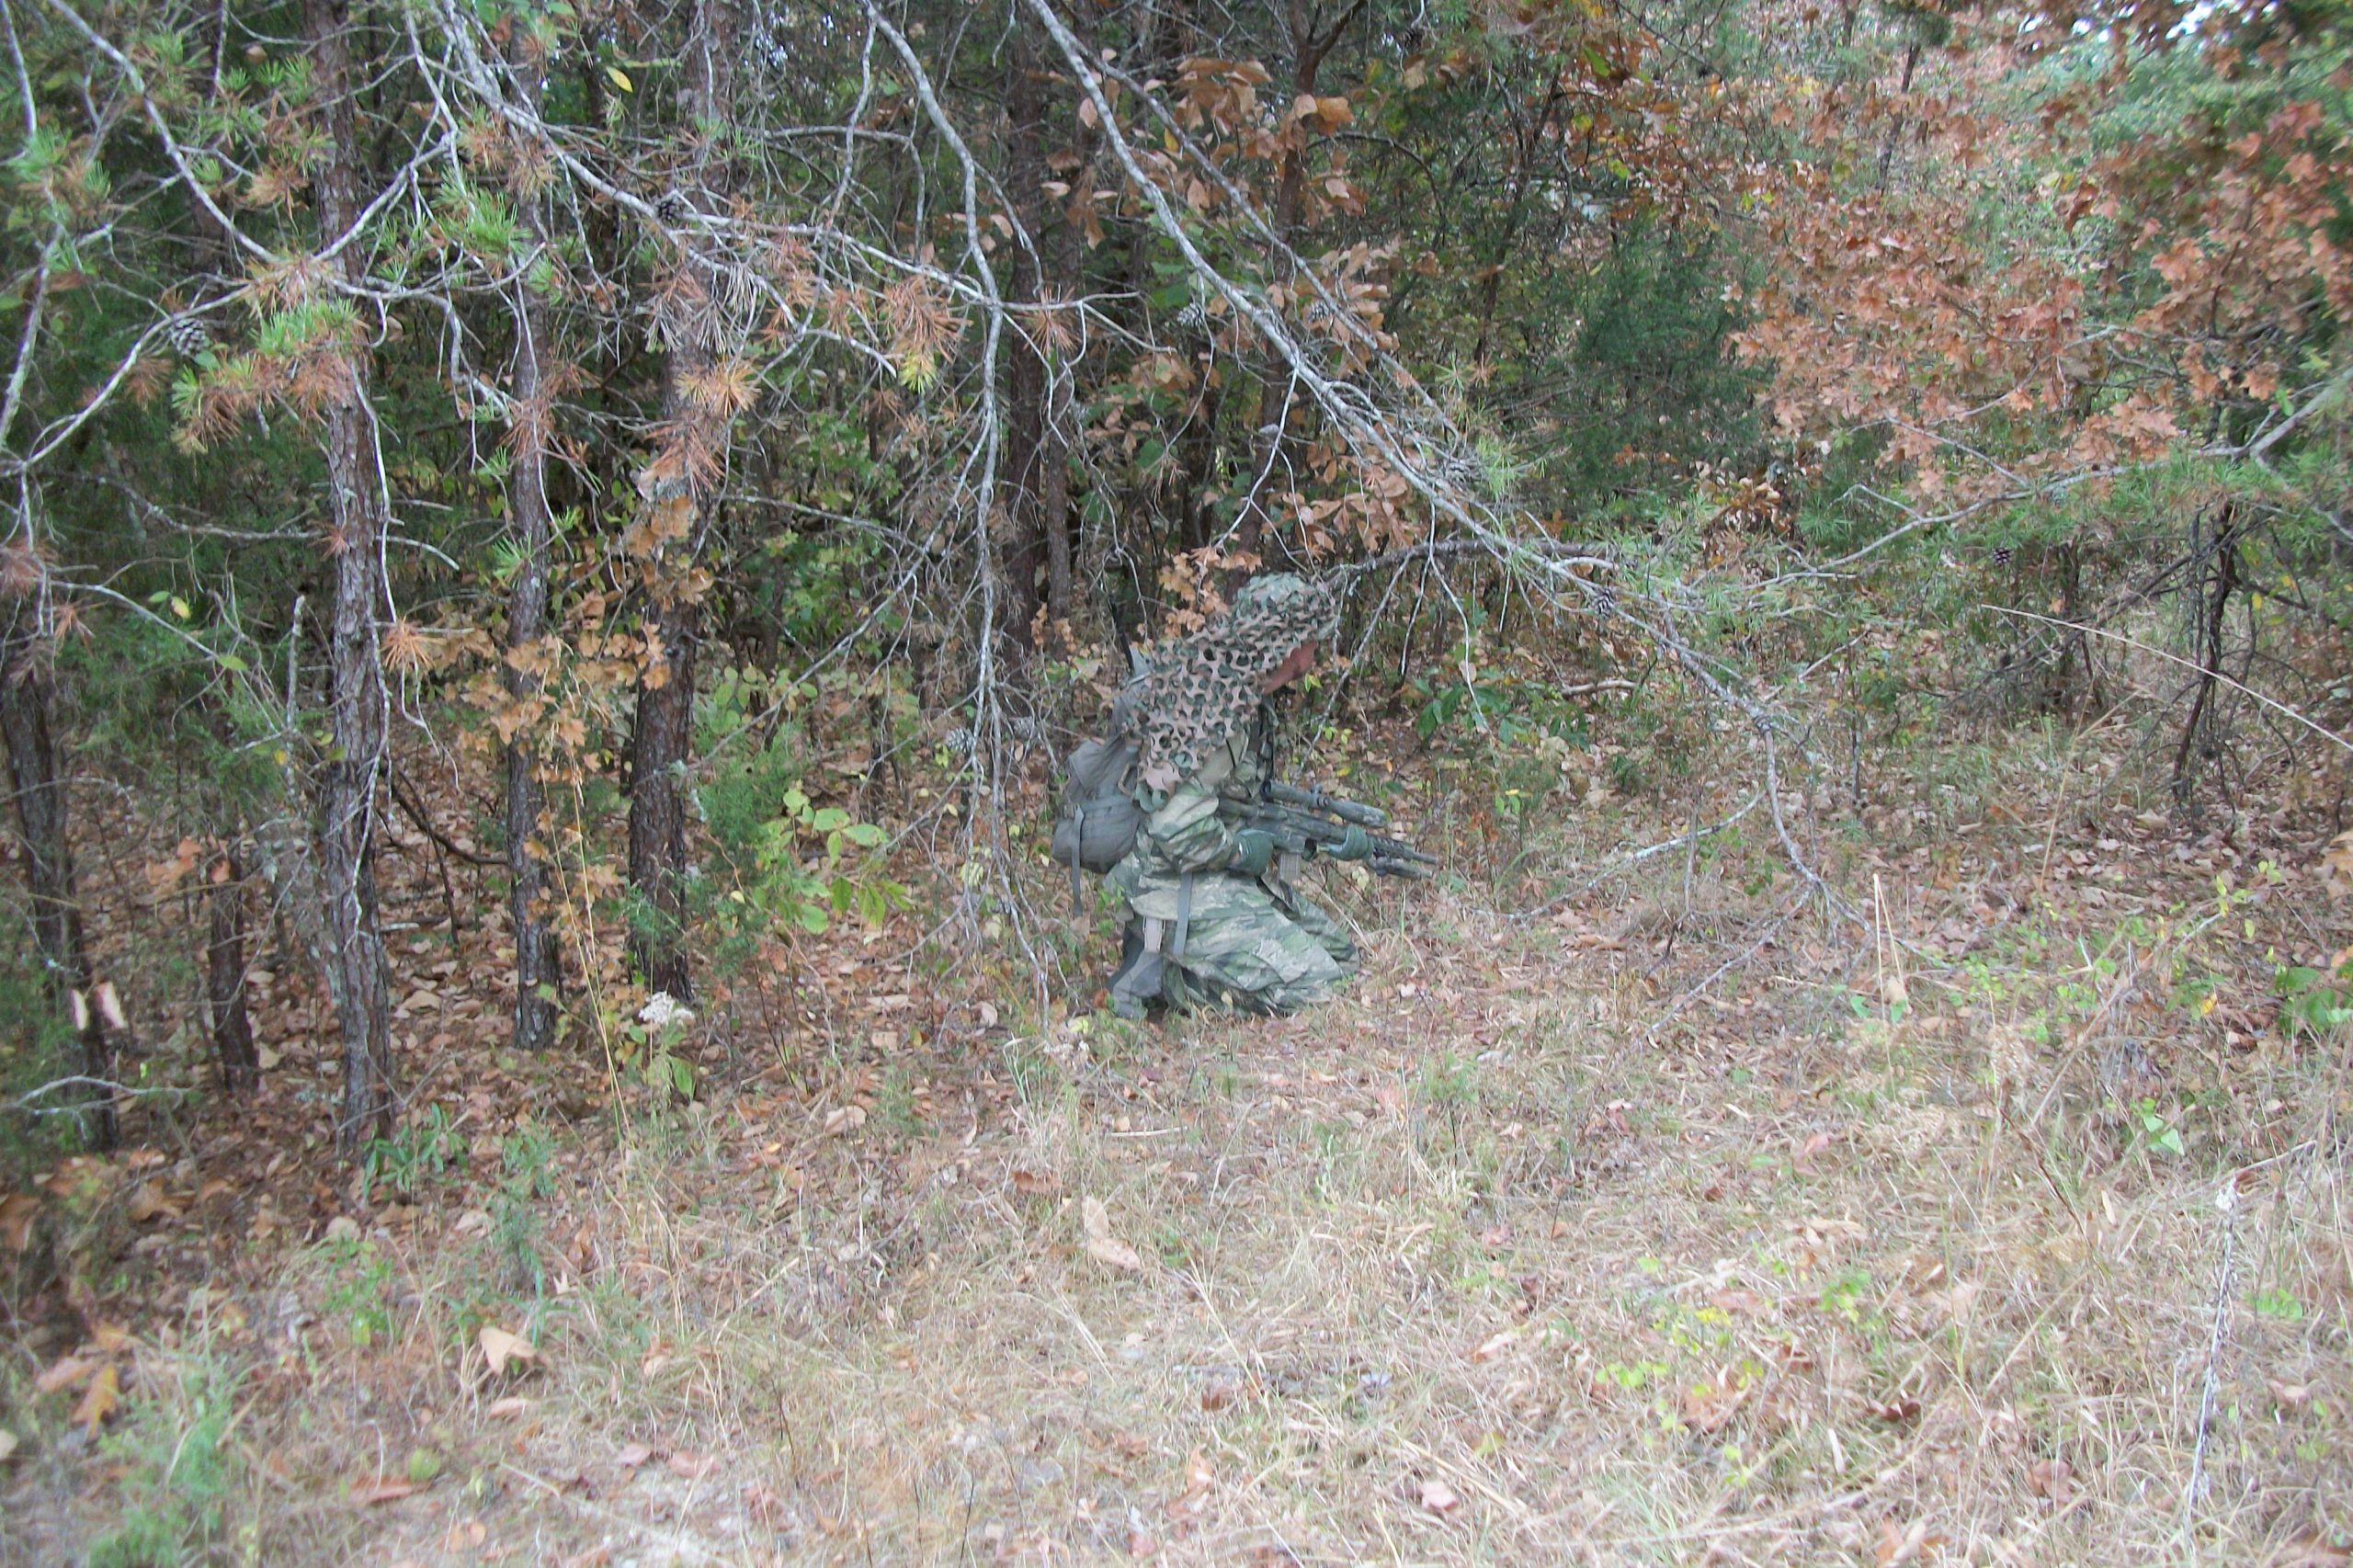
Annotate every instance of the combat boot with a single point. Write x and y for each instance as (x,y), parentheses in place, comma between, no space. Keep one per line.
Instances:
(1137,983)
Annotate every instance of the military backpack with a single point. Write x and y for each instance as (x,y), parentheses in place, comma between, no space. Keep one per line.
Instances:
(1097,818)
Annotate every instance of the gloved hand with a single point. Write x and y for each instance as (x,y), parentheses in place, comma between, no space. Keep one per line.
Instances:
(1355,845)
(1253,852)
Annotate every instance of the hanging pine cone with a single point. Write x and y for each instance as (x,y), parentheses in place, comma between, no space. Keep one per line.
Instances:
(189,335)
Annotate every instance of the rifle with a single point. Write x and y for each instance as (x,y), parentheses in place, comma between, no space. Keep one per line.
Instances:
(1305,821)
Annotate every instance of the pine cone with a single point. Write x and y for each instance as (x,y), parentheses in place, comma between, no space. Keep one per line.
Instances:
(187,335)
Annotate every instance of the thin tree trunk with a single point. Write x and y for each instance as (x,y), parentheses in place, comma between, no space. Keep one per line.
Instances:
(1524,149)
(657,814)
(1054,456)
(224,975)
(356,702)
(1274,391)
(2197,742)
(38,783)
(1053,497)
(664,735)
(538,965)
(1025,370)
(1895,129)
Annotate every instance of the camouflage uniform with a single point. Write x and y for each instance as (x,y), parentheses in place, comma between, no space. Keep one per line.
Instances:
(1225,936)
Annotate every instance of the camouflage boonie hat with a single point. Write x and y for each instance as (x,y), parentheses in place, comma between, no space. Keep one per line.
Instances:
(1204,686)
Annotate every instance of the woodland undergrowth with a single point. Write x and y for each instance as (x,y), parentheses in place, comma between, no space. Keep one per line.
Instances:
(1635,1206)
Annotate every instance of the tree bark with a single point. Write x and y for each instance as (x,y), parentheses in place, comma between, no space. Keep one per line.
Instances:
(1290,183)
(224,975)
(359,519)
(38,784)
(1025,371)
(657,813)
(665,728)
(1061,416)
(538,961)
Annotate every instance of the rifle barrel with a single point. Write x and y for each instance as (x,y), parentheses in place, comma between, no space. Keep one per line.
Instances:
(1345,810)
(1323,833)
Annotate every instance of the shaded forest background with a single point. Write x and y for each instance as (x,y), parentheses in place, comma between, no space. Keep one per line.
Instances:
(754,433)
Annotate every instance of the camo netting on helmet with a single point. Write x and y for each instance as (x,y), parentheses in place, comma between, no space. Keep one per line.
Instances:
(1204,686)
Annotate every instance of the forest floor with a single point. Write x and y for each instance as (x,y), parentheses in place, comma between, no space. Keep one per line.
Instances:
(2004,1222)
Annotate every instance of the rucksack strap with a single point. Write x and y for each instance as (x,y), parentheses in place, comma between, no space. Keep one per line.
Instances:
(1077,887)
(1184,917)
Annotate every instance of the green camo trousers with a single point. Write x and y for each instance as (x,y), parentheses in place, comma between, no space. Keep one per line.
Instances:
(1251,951)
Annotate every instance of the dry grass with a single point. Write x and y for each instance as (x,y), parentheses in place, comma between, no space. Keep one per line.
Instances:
(1485,1263)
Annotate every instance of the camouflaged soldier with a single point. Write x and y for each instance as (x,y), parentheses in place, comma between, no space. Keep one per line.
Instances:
(1214,917)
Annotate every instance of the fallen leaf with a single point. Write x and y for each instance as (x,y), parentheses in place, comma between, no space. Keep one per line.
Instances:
(510,1405)
(1900,1546)
(384,1491)
(98,1400)
(1495,1344)
(146,1202)
(1101,1244)
(2290,1396)
(1034,1182)
(2337,864)
(844,1118)
(65,1374)
(2052,1479)
(690,1465)
(17,1212)
(499,1347)
(1439,1497)
(1199,1475)
(7,1444)
(634,1454)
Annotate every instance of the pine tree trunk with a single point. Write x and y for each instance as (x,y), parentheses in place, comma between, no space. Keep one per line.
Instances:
(1025,370)
(1274,391)
(665,728)
(537,967)
(355,701)
(657,807)
(38,784)
(1054,456)
(224,976)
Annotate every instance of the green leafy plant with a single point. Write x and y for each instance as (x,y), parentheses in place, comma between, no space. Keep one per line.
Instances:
(2315,1003)
(425,1151)
(359,1291)
(801,878)
(177,1466)
(2157,1132)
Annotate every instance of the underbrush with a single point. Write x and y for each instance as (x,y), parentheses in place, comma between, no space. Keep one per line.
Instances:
(1664,1216)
